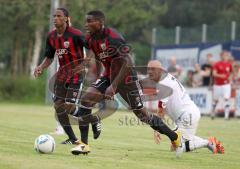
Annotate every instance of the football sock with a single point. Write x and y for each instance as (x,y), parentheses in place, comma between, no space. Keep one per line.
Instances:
(157,124)
(194,144)
(64,121)
(213,109)
(226,111)
(84,128)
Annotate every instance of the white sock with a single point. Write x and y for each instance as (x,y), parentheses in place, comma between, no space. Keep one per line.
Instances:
(195,143)
(226,111)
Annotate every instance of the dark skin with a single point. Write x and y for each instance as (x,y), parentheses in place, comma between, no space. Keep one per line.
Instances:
(59,21)
(94,26)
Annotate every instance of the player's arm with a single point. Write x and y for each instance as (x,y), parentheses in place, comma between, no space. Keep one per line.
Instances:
(49,55)
(206,72)
(85,61)
(119,67)
(99,68)
(39,69)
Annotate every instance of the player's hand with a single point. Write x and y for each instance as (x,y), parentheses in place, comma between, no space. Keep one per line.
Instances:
(157,137)
(38,71)
(110,93)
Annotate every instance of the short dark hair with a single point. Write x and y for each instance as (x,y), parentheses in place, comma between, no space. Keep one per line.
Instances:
(97,14)
(64,10)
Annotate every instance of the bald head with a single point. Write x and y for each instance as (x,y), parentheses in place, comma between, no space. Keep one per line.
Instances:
(154,64)
(154,70)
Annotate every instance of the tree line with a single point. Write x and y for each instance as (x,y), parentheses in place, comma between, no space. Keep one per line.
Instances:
(25,23)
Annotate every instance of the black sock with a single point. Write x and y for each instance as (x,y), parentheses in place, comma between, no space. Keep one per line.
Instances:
(64,121)
(84,133)
(157,124)
(187,146)
(84,128)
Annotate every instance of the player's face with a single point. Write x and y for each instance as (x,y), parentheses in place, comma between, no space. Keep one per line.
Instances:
(59,19)
(92,25)
(224,55)
(154,73)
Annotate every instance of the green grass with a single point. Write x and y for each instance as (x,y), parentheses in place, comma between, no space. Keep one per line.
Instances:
(120,146)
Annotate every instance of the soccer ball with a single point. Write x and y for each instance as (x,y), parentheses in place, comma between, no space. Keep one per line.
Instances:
(44,144)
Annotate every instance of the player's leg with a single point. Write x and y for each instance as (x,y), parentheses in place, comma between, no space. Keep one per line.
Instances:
(216,93)
(131,94)
(72,98)
(92,96)
(88,100)
(227,95)
(187,124)
(59,129)
(62,116)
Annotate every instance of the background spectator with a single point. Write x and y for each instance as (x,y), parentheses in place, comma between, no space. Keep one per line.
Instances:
(207,71)
(173,68)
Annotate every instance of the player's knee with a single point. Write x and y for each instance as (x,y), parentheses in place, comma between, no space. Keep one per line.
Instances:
(89,100)
(59,106)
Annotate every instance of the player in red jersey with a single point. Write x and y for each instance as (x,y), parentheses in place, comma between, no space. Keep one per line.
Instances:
(119,76)
(66,43)
(222,88)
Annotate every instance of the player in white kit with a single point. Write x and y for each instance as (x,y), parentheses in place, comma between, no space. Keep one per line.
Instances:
(182,110)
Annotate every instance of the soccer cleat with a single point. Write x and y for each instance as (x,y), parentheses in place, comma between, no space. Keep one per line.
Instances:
(177,144)
(70,141)
(81,149)
(96,128)
(212,145)
(220,147)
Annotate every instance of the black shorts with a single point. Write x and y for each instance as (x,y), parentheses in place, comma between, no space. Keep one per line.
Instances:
(68,92)
(130,92)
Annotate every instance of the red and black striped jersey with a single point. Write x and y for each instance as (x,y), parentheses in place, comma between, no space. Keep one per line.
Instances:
(108,45)
(69,50)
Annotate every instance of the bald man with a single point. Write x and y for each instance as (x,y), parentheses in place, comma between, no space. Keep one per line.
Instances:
(182,110)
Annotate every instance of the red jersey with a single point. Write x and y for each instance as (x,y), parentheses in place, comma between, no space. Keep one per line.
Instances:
(106,47)
(69,50)
(222,67)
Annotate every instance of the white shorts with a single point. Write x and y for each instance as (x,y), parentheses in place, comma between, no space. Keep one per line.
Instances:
(187,123)
(221,91)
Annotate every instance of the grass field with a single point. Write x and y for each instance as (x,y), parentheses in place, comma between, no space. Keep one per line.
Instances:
(121,145)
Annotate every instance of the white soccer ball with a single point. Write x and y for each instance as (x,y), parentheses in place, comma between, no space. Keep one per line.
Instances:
(44,144)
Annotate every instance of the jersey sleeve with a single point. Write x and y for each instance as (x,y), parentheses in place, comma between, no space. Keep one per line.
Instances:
(117,43)
(49,50)
(81,41)
(86,41)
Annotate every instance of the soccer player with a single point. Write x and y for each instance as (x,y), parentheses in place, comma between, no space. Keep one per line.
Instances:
(182,110)
(110,48)
(66,43)
(222,71)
